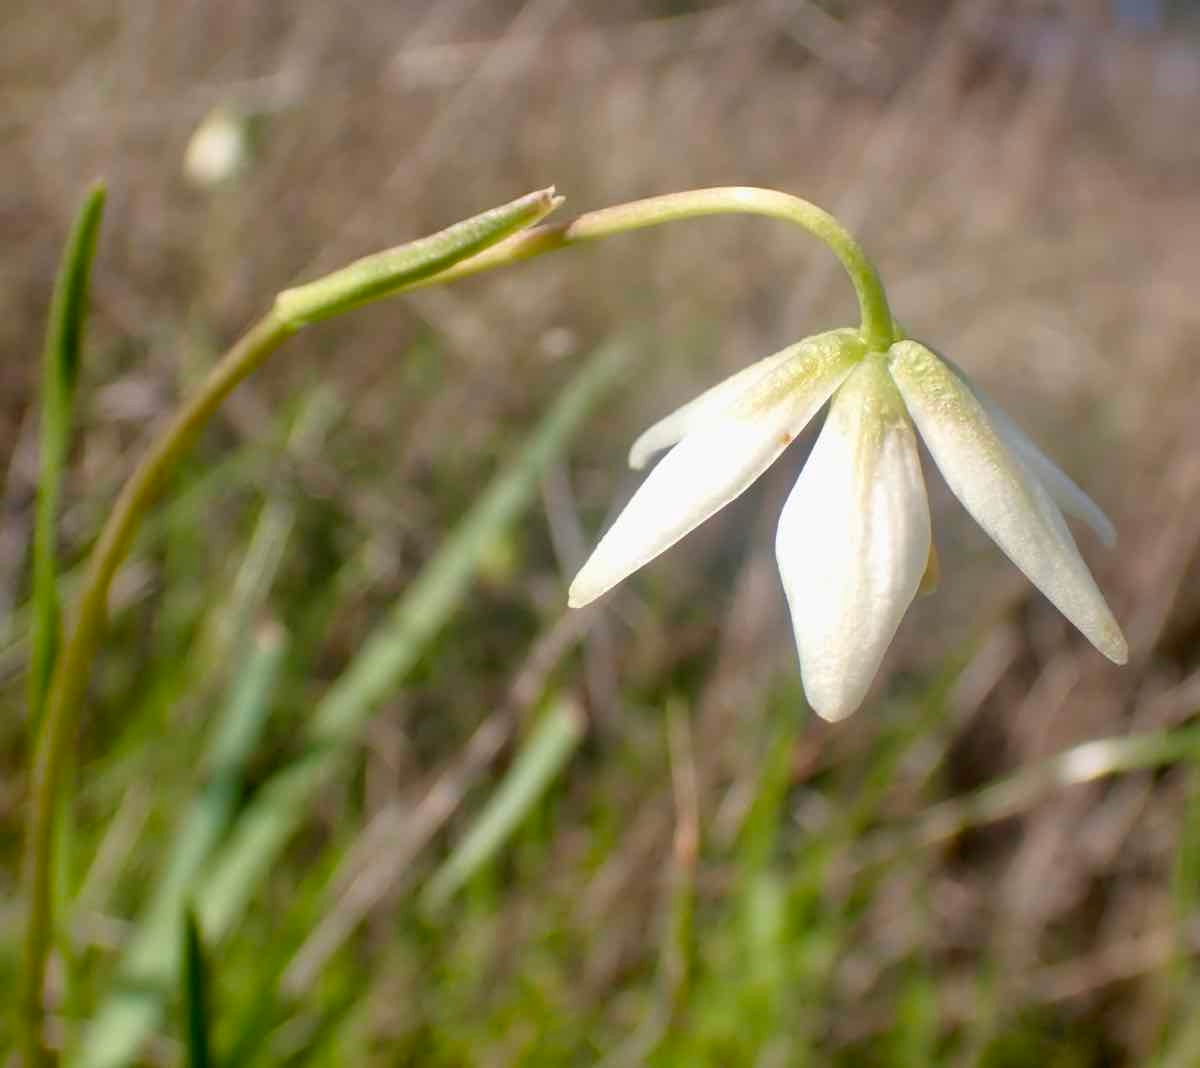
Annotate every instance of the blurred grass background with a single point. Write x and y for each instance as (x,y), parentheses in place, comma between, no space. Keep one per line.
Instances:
(613,836)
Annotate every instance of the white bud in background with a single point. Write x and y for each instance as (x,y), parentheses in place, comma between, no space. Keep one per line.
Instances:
(219,150)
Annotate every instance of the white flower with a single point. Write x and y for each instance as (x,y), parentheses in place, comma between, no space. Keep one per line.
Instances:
(854,539)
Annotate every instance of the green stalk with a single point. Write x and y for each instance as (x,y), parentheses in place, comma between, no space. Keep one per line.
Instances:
(151,957)
(351,287)
(878,328)
(469,247)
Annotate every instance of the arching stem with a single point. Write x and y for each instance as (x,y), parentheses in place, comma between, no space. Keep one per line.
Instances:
(468,248)
(878,329)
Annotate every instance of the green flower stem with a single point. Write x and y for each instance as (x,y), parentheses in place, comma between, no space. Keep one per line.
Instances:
(368,279)
(493,239)
(878,328)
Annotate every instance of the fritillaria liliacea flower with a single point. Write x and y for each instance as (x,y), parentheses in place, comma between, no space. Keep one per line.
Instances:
(854,542)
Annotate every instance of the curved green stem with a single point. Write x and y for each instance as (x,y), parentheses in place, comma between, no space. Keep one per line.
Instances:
(490,240)
(369,279)
(878,329)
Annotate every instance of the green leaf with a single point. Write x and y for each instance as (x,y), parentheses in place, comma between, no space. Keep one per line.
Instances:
(195,995)
(151,959)
(60,371)
(533,771)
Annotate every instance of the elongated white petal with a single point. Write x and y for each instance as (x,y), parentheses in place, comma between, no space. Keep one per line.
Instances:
(673,428)
(681,422)
(715,462)
(853,540)
(1061,487)
(1001,492)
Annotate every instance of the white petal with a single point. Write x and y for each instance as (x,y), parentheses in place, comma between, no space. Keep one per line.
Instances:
(715,462)
(1001,492)
(853,540)
(1061,487)
(681,422)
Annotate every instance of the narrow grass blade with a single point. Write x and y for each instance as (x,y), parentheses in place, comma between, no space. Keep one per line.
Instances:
(675,963)
(1179,1042)
(1185,1049)
(151,960)
(306,1037)
(195,995)
(66,847)
(231,622)
(535,769)
(396,645)
(1023,789)
(395,648)
(766,904)
(369,870)
(60,371)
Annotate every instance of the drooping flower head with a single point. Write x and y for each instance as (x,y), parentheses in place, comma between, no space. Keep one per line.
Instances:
(854,542)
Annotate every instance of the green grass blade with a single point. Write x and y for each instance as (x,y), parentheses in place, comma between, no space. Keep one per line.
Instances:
(424,610)
(232,621)
(195,995)
(67,849)
(60,371)
(1013,794)
(1180,1042)
(395,648)
(151,960)
(535,769)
